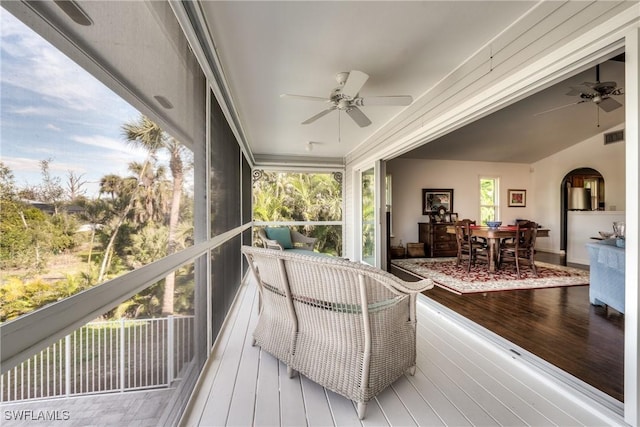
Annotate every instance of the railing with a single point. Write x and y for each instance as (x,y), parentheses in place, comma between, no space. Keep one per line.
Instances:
(103,357)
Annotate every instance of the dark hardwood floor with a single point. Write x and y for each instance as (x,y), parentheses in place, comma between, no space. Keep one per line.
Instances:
(558,325)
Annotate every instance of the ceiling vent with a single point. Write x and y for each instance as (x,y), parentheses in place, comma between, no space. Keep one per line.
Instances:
(611,137)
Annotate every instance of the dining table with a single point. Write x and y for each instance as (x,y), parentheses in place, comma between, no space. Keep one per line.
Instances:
(493,235)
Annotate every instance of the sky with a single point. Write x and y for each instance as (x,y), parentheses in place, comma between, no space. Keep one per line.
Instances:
(51,109)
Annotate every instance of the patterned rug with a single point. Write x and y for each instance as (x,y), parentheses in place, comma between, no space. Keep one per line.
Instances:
(445,273)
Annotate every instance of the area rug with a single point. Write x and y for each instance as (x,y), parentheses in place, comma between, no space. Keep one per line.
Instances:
(445,273)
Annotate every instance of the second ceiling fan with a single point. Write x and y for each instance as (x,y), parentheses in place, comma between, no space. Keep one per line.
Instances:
(596,92)
(346,97)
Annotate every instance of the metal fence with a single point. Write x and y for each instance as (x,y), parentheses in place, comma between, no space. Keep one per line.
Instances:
(103,357)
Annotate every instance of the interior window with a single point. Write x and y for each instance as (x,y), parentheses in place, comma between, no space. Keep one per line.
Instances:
(489,199)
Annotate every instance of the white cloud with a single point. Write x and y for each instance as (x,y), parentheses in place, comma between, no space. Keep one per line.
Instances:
(31,111)
(102,141)
(21,164)
(51,126)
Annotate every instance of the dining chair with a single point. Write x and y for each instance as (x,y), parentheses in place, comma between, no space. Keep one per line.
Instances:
(468,248)
(511,239)
(471,222)
(522,248)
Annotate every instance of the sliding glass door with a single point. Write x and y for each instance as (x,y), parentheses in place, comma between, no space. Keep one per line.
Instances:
(368,217)
(372,209)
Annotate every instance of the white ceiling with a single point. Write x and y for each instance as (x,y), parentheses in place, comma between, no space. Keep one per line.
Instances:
(270,48)
(521,134)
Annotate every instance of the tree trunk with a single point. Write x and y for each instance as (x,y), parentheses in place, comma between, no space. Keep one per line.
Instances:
(93,236)
(112,239)
(174,217)
(108,249)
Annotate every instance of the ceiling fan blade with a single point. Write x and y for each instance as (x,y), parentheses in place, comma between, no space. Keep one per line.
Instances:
(605,87)
(582,89)
(561,107)
(305,97)
(354,83)
(358,116)
(385,100)
(609,104)
(317,116)
(575,91)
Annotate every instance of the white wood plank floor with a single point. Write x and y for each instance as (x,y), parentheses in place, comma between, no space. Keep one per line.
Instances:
(462,379)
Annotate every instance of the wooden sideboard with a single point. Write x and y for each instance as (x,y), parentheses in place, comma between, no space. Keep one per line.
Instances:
(437,242)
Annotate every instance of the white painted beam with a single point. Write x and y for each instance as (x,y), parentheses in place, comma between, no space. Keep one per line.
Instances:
(632,274)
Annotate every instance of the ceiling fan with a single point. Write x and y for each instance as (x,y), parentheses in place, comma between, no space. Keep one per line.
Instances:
(599,93)
(346,98)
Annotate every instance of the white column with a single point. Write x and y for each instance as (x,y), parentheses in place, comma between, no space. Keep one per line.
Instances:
(381,214)
(632,297)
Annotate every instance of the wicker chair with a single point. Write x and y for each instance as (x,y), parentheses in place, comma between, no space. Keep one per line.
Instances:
(347,326)
(299,241)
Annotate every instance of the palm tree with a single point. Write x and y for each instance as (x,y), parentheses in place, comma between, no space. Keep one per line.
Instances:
(96,212)
(111,184)
(148,135)
(120,208)
(151,203)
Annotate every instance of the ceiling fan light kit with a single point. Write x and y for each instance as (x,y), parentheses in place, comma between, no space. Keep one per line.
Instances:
(346,97)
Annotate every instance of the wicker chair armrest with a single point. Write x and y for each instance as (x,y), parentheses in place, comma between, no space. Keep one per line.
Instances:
(302,240)
(414,287)
(272,244)
(268,243)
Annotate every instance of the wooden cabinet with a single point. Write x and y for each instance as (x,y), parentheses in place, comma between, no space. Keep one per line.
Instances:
(438,243)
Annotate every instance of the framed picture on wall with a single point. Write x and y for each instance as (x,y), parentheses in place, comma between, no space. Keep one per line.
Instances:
(437,200)
(517,198)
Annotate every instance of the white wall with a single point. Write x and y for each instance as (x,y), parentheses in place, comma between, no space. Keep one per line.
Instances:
(582,226)
(410,176)
(542,180)
(548,174)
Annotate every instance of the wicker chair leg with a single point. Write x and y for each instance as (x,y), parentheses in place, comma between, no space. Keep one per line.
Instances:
(412,370)
(253,342)
(291,372)
(362,407)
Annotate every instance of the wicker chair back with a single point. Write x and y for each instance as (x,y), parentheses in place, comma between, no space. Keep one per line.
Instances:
(347,326)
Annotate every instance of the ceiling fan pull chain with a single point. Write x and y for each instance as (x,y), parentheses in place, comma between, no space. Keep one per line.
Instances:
(339,136)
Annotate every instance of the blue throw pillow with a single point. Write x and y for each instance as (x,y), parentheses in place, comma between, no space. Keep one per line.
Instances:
(282,235)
